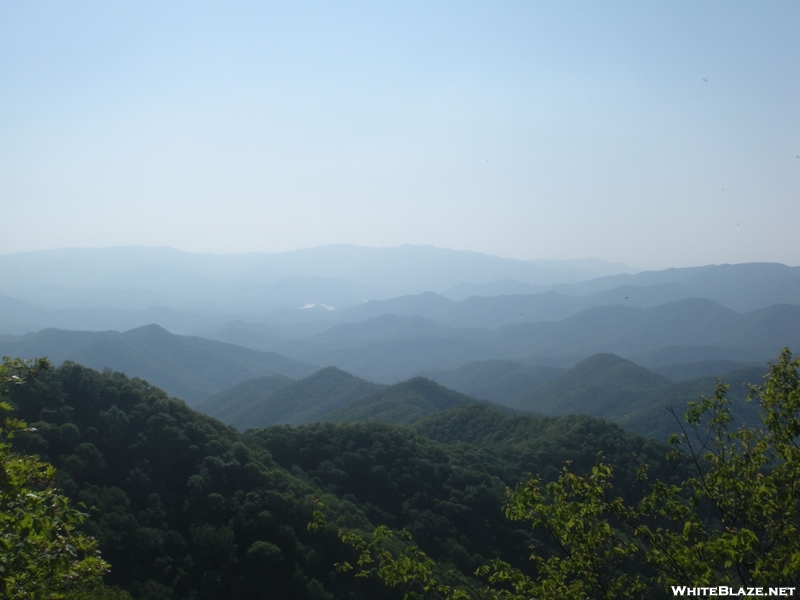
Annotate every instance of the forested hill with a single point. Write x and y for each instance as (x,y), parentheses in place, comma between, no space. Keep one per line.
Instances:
(189,367)
(186,507)
(228,405)
(402,403)
(610,387)
(278,400)
(603,385)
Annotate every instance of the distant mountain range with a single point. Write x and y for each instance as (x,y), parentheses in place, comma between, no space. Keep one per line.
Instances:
(127,287)
(320,333)
(390,348)
(496,369)
(741,288)
(136,278)
(610,387)
(603,385)
(253,388)
(502,381)
(329,395)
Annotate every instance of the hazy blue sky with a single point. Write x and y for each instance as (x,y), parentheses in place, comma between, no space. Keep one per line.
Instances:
(653,133)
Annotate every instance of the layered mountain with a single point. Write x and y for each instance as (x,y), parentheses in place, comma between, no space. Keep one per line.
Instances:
(504,382)
(134,278)
(662,412)
(743,287)
(738,287)
(123,288)
(228,404)
(608,386)
(402,404)
(18,317)
(703,368)
(391,348)
(190,368)
(268,401)
(164,485)
(603,385)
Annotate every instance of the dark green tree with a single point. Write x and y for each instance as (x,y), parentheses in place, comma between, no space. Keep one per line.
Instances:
(734,521)
(43,554)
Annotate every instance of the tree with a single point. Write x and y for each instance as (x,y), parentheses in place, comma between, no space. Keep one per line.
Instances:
(732,521)
(43,554)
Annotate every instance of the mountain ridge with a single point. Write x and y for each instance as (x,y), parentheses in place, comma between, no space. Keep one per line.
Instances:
(305,400)
(189,367)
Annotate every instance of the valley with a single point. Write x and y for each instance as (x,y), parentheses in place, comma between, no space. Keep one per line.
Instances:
(204,449)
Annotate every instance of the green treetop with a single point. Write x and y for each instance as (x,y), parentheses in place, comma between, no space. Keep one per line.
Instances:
(42,552)
(733,521)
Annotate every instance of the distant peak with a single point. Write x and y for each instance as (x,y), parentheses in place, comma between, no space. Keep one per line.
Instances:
(327,371)
(420,382)
(604,357)
(153,329)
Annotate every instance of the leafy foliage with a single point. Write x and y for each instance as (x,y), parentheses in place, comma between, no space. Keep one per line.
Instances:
(185,507)
(180,507)
(409,569)
(43,554)
(735,520)
(654,419)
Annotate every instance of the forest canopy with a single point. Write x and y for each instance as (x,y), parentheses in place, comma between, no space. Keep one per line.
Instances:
(733,521)
(182,506)
(43,553)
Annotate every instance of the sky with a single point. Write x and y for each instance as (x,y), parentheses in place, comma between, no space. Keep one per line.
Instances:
(656,134)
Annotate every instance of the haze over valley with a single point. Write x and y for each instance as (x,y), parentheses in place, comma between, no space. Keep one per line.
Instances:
(197,325)
(178,374)
(344,301)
